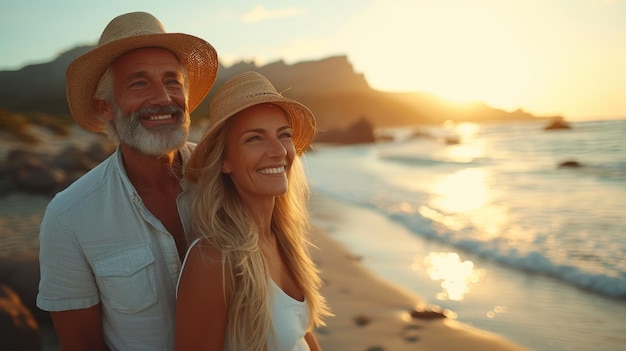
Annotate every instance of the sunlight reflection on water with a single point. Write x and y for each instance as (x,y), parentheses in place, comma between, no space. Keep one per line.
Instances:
(461,191)
(456,275)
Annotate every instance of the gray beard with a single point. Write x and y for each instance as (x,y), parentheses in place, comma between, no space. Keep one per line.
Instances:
(156,141)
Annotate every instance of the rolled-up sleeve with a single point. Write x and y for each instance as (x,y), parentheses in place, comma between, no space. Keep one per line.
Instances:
(67,281)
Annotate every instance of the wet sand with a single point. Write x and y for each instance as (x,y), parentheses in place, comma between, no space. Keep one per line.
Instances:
(372,314)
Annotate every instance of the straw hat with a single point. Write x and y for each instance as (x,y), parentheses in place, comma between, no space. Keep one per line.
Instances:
(132,31)
(245,90)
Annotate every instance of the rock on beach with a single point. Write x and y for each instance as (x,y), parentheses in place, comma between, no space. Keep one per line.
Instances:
(19,330)
(40,171)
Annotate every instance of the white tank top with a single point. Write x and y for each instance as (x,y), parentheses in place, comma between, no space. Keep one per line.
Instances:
(290,317)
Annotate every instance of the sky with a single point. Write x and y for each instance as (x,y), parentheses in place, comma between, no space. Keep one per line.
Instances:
(548,57)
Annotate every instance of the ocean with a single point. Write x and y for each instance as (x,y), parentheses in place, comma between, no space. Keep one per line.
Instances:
(483,221)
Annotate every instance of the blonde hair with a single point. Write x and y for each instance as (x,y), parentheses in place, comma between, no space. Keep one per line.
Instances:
(222,218)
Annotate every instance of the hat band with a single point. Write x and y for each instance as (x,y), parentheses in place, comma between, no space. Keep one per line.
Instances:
(263,93)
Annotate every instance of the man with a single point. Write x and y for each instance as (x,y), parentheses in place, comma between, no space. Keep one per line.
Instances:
(111,242)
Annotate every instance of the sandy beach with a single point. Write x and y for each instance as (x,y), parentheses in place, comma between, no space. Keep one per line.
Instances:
(371,313)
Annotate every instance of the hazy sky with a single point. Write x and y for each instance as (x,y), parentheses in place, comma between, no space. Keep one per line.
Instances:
(548,57)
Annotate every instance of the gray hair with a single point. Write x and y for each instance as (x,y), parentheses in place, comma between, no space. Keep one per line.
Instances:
(104,91)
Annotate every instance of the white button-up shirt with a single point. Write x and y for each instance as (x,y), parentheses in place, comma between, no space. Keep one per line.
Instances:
(99,243)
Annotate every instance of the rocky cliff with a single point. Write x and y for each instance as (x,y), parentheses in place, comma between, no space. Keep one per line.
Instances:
(338,96)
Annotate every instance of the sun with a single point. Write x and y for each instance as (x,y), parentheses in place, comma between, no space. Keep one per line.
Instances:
(461,53)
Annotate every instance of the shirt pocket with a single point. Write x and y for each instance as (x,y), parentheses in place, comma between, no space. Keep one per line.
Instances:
(127,280)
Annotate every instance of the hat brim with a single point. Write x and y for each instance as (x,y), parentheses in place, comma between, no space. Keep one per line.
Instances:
(198,56)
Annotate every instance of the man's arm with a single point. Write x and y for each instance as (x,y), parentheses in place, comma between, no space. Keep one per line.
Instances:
(79,330)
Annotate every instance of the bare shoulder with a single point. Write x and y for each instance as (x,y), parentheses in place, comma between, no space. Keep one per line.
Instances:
(202,274)
(204,254)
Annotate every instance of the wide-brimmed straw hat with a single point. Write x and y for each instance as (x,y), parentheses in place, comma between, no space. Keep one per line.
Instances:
(132,31)
(237,94)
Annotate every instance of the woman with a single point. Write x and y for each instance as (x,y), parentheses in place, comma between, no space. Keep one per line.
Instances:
(248,282)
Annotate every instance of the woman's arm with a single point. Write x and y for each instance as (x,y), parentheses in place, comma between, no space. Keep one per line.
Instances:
(312,341)
(201,305)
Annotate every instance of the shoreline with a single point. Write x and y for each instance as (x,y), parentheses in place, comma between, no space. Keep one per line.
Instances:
(373,314)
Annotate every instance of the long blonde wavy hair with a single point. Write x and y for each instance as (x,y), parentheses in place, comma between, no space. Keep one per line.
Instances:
(221,217)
